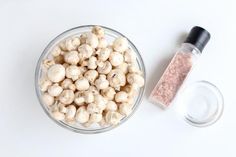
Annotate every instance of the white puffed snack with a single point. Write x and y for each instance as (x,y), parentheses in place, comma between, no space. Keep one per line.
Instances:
(72,57)
(111,106)
(116,58)
(125,109)
(129,56)
(44,84)
(55,90)
(104,68)
(113,117)
(56,51)
(136,79)
(92,40)
(85,51)
(82,84)
(116,78)
(72,43)
(71,111)
(92,62)
(93,108)
(101,82)
(98,31)
(91,75)
(82,116)
(47,99)
(67,96)
(108,93)
(66,83)
(103,54)
(88,96)
(73,72)
(102,43)
(121,96)
(58,115)
(120,44)
(56,73)
(95,118)
(123,67)
(100,101)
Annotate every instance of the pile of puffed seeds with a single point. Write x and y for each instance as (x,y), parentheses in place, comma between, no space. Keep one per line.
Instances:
(85,80)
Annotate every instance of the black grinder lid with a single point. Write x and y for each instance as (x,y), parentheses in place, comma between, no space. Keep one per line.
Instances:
(199,37)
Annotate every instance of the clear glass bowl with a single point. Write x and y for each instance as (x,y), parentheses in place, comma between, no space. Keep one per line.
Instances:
(110,35)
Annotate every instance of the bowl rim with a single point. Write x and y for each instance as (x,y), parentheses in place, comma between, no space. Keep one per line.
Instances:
(69,127)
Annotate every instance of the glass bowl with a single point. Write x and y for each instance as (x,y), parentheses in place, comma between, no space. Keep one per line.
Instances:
(110,35)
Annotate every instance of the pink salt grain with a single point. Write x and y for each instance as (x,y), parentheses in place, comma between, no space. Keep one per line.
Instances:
(173,77)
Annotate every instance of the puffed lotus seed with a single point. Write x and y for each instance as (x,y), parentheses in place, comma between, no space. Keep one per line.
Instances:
(47,99)
(58,115)
(116,58)
(98,31)
(120,44)
(55,90)
(82,84)
(56,73)
(67,96)
(125,109)
(92,40)
(73,72)
(71,111)
(121,96)
(95,118)
(111,106)
(82,116)
(72,57)
(113,118)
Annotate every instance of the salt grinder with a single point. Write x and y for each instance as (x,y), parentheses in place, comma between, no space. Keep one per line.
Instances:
(180,66)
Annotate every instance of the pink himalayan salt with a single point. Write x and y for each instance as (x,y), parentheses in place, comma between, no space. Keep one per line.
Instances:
(172,79)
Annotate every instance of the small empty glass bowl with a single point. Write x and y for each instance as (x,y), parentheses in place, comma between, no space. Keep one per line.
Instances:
(110,35)
(200,103)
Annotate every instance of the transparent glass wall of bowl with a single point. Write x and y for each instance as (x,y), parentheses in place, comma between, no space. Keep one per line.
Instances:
(110,35)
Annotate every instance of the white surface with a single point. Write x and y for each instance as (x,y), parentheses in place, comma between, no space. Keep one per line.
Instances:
(156,28)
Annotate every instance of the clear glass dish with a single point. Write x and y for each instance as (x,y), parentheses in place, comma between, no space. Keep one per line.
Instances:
(200,103)
(110,35)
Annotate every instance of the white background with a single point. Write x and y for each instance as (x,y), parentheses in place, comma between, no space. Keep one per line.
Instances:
(157,28)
